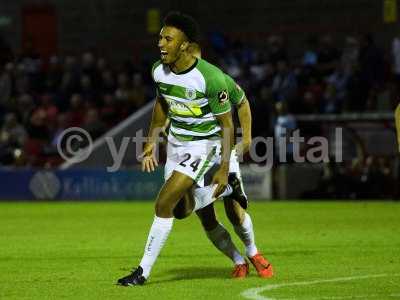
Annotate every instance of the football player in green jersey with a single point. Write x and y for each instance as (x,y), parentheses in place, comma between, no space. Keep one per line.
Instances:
(237,215)
(193,94)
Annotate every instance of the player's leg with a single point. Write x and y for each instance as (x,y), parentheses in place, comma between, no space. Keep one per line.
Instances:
(203,198)
(184,207)
(188,203)
(242,224)
(222,240)
(243,227)
(171,192)
(241,220)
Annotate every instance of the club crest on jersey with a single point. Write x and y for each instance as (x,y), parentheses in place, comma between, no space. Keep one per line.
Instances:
(223,96)
(190,94)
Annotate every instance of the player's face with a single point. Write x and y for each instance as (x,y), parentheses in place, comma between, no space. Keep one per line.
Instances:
(171,44)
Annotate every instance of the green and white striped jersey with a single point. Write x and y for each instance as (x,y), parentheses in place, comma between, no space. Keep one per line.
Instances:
(194,98)
(236,94)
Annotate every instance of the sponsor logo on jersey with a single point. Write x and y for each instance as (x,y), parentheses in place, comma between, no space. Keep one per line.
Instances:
(184,109)
(223,96)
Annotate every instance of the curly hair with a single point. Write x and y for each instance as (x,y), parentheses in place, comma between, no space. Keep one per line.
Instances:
(184,23)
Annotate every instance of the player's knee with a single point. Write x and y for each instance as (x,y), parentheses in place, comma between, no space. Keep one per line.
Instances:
(163,209)
(180,212)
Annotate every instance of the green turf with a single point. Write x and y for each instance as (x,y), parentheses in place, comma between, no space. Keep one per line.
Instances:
(78,250)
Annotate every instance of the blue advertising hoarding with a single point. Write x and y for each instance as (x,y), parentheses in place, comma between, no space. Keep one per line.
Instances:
(79,185)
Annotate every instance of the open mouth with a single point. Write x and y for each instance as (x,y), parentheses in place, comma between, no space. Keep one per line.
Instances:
(164,54)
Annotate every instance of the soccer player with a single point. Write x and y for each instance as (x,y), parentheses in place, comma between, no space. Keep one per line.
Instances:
(239,218)
(193,93)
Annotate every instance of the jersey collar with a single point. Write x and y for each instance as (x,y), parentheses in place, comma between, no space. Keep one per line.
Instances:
(187,70)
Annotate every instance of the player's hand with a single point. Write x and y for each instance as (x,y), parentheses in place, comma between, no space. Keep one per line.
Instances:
(149,162)
(220,178)
(243,147)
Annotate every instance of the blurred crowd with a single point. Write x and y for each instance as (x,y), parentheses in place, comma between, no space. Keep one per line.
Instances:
(40,98)
(321,76)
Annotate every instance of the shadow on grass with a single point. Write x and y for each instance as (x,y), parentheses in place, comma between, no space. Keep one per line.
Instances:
(191,273)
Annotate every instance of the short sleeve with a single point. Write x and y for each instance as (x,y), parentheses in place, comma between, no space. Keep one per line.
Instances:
(218,94)
(236,94)
(155,65)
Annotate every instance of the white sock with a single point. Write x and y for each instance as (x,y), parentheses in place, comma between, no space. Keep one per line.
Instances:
(158,234)
(221,239)
(246,234)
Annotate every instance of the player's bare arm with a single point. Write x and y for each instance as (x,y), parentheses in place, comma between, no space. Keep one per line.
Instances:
(158,118)
(221,176)
(244,113)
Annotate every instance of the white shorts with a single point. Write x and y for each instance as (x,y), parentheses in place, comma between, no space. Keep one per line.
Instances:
(194,159)
(203,195)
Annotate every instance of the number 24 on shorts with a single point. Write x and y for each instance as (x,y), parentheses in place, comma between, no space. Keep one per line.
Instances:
(194,164)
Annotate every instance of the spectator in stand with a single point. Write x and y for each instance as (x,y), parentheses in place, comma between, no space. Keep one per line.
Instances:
(108,85)
(109,112)
(257,67)
(38,138)
(350,55)
(284,126)
(124,89)
(101,65)
(38,127)
(5,89)
(76,112)
(284,86)
(71,77)
(371,69)
(22,80)
(53,76)
(277,49)
(12,139)
(24,108)
(87,91)
(62,124)
(138,94)
(312,96)
(50,109)
(93,125)
(328,56)
(336,90)
(310,56)
(89,67)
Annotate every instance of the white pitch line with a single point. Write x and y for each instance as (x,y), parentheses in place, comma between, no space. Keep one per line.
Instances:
(254,293)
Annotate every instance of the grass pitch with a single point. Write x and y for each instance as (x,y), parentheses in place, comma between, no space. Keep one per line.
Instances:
(79,250)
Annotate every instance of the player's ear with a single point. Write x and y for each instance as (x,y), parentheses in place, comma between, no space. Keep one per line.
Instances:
(185,46)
